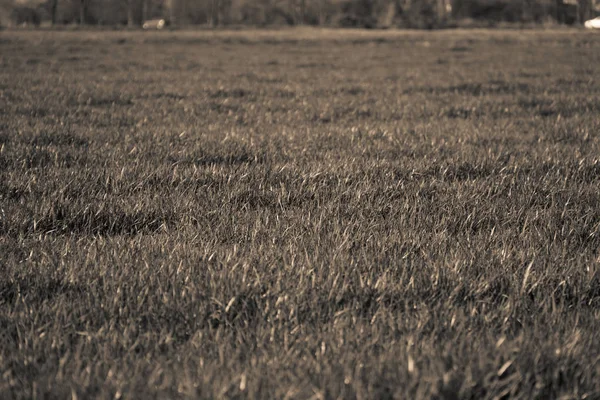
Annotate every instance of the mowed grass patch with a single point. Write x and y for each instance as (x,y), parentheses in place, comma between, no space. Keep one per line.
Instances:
(300,214)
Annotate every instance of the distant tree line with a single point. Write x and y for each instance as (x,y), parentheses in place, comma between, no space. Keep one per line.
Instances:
(346,13)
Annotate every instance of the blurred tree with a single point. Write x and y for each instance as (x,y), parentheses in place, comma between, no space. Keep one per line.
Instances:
(130,13)
(586,8)
(297,9)
(213,12)
(83,15)
(22,15)
(178,11)
(53,9)
(358,13)
(136,12)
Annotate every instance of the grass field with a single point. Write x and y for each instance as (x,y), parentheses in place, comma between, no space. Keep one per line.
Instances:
(300,214)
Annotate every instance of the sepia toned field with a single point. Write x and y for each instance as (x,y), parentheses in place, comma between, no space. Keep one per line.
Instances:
(300,214)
